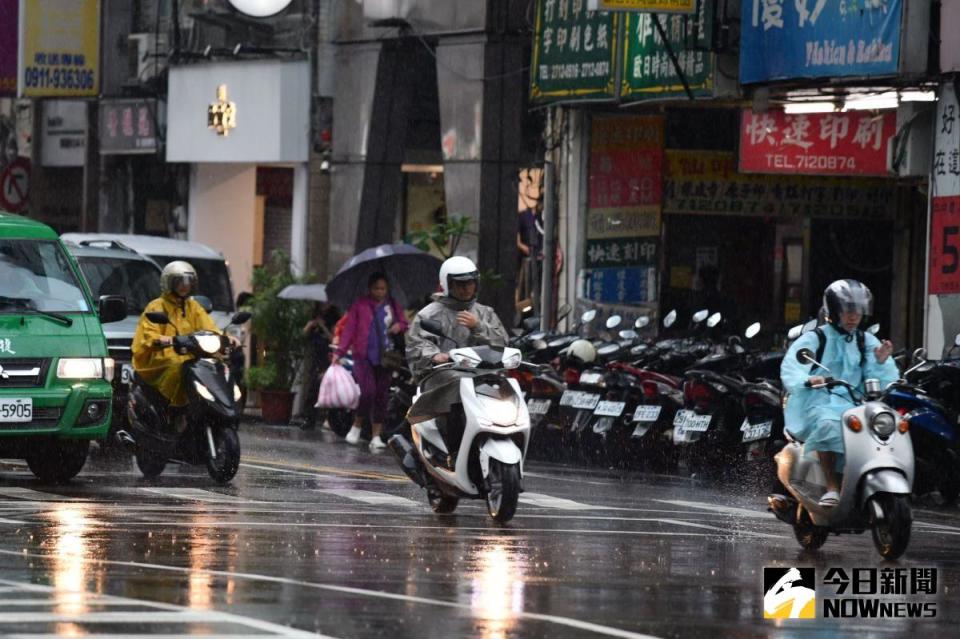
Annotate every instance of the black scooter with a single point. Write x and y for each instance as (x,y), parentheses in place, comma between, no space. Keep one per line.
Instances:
(212,415)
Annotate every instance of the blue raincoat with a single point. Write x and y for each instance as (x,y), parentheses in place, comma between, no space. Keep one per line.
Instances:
(813,415)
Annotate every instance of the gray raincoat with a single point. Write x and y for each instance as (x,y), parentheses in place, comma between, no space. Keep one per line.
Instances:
(422,346)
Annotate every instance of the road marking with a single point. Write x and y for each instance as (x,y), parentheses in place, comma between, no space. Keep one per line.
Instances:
(378,594)
(29,494)
(13,522)
(549,501)
(197,494)
(371,497)
(365,474)
(729,510)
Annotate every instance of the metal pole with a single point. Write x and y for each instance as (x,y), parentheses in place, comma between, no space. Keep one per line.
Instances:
(549,236)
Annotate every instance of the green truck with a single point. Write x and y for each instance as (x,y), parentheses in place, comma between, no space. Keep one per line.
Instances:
(55,370)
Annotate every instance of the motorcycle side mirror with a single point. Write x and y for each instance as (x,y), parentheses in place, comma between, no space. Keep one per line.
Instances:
(205,302)
(733,340)
(795,332)
(158,317)
(563,311)
(699,316)
(642,322)
(956,340)
(874,329)
(753,330)
(531,324)
(432,326)
(714,319)
(241,318)
(670,319)
(588,316)
(628,334)
(919,355)
(805,356)
(613,321)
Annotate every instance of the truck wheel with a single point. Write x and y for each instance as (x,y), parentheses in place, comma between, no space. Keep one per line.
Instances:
(58,462)
(225,466)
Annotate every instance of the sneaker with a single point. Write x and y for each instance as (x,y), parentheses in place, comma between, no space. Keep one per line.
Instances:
(377,444)
(353,437)
(830,499)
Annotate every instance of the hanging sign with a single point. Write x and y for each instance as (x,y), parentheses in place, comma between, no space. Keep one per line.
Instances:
(574,52)
(944,275)
(128,126)
(851,143)
(659,6)
(59,48)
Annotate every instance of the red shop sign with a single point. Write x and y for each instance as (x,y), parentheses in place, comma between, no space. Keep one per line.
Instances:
(945,246)
(852,143)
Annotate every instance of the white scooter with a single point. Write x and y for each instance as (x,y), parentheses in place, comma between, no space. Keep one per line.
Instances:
(470,429)
(877,475)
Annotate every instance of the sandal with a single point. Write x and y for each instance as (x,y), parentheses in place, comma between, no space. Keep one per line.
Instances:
(830,499)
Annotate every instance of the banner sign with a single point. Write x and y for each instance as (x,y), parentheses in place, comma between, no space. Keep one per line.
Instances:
(659,6)
(707,183)
(574,52)
(648,71)
(128,126)
(851,143)
(622,251)
(633,285)
(9,40)
(781,40)
(59,48)
(944,276)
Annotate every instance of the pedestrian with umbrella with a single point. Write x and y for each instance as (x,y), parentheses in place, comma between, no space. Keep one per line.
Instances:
(376,320)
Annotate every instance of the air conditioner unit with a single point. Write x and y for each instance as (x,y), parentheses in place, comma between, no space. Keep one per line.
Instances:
(147,55)
(909,153)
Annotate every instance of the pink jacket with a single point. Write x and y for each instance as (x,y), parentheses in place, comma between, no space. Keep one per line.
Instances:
(356,331)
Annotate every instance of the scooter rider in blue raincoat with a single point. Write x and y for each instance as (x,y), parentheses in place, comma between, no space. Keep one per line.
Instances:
(813,415)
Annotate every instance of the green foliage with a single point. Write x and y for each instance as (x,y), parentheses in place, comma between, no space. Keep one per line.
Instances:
(443,237)
(278,324)
(261,377)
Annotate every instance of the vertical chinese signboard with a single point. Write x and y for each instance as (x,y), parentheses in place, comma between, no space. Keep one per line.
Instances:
(623,216)
(9,27)
(851,143)
(574,52)
(59,48)
(128,126)
(943,281)
(660,6)
(782,40)
(648,71)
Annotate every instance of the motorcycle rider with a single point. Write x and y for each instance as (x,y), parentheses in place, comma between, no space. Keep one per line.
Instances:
(852,355)
(462,318)
(153,360)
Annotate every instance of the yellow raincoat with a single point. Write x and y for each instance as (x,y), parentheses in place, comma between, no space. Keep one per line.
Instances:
(161,367)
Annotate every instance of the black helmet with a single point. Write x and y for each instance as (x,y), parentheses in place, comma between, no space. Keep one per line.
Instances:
(844,296)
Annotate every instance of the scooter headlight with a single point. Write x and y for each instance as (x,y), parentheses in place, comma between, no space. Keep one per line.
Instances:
(209,344)
(883,424)
(203,391)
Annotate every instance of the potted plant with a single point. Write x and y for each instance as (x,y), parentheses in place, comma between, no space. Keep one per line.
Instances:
(277,324)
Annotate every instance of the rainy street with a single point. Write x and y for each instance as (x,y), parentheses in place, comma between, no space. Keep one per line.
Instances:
(317,537)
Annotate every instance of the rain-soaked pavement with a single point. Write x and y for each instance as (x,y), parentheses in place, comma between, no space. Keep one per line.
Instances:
(316,536)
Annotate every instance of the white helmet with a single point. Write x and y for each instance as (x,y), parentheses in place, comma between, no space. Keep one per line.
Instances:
(175,272)
(457,269)
(583,350)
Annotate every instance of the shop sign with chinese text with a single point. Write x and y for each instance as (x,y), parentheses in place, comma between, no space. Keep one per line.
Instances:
(574,52)
(945,199)
(9,37)
(850,143)
(707,183)
(128,126)
(630,285)
(660,6)
(59,48)
(782,40)
(648,71)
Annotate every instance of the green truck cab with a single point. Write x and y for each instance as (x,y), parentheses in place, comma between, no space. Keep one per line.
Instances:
(55,371)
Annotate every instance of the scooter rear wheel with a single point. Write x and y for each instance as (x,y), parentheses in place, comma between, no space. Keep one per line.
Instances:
(892,535)
(150,464)
(227,463)
(504,490)
(808,533)
(441,503)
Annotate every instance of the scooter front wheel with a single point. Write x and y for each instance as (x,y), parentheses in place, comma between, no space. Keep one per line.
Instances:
(227,462)
(808,533)
(504,490)
(891,535)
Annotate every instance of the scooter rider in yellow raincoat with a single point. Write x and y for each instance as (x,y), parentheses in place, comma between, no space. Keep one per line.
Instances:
(153,360)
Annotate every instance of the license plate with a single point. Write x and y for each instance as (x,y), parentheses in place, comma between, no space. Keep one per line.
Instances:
(16,410)
(647,413)
(586,401)
(681,417)
(697,422)
(538,406)
(753,432)
(568,396)
(610,409)
(126,373)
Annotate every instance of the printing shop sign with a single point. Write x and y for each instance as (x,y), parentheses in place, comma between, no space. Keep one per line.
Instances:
(786,39)
(851,143)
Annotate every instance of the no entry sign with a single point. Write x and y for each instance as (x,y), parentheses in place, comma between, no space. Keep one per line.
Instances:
(15,186)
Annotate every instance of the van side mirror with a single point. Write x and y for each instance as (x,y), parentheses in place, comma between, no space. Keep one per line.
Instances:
(112,308)
(241,318)
(158,317)
(205,302)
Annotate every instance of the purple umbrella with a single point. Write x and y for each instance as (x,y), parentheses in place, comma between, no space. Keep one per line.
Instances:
(412,274)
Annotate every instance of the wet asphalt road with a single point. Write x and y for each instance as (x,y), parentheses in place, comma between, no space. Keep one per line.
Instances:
(316,536)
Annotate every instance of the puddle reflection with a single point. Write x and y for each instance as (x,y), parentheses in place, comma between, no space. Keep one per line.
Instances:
(496,590)
(72,548)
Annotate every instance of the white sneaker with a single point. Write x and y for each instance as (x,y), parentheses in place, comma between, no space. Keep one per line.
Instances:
(353,437)
(377,444)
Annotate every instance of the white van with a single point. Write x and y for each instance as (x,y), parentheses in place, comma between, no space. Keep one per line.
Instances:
(210,265)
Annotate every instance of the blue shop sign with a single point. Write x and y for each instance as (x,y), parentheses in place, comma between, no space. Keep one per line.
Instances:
(629,285)
(785,39)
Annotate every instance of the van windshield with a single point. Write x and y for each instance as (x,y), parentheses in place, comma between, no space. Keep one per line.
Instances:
(36,275)
(214,281)
(136,280)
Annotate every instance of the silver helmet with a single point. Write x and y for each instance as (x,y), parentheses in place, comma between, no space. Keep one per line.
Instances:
(176,272)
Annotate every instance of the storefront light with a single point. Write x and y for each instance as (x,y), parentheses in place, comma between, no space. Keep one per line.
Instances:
(918,96)
(886,100)
(809,107)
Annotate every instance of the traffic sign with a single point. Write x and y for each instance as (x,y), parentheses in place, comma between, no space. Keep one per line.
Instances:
(15,186)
